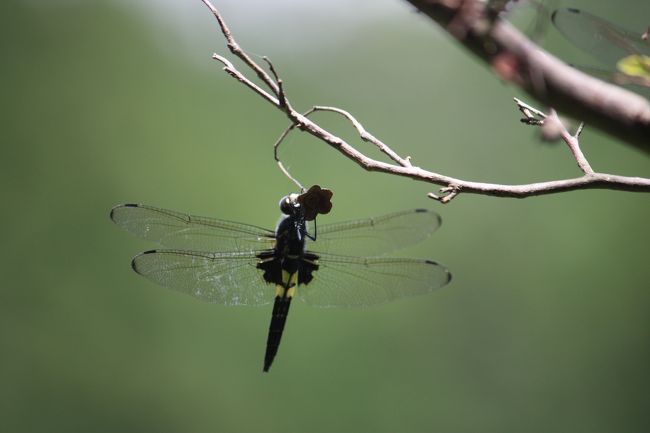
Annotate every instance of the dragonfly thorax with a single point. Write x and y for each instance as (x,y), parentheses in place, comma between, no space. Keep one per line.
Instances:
(290,236)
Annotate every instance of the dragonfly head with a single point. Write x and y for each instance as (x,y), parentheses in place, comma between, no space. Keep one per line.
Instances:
(308,204)
(289,204)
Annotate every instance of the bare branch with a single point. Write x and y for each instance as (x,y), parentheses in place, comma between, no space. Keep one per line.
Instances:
(236,49)
(573,143)
(284,102)
(276,156)
(553,128)
(365,135)
(532,116)
(233,72)
(449,193)
(452,187)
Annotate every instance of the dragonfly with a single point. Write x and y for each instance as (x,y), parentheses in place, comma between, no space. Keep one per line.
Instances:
(231,263)
(625,53)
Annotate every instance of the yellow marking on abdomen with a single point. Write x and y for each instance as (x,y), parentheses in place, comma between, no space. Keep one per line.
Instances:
(288,286)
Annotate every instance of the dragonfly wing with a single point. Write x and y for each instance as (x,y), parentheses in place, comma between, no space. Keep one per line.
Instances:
(604,40)
(376,236)
(221,278)
(178,230)
(357,281)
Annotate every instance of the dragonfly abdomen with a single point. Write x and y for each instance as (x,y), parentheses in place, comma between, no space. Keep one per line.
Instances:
(278,319)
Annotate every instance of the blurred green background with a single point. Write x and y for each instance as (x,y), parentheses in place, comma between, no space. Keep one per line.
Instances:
(545,326)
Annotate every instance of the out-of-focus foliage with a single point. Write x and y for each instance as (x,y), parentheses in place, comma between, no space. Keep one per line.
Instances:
(545,326)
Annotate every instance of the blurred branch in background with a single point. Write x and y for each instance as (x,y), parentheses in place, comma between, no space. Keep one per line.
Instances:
(604,106)
(627,109)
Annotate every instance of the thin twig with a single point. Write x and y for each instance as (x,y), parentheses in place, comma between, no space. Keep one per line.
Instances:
(551,122)
(532,116)
(276,156)
(282,96)
(236,49)
(233,72)
(449,192)
(451,186)
(574,145)
(365,135)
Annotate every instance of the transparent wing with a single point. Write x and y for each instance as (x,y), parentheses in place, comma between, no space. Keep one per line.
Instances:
(376,236)
(178,230)
(604,40)
(221,278)
(357,281)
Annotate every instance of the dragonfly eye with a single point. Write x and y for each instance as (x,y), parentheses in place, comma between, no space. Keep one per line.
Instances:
(285,205)
(289,205)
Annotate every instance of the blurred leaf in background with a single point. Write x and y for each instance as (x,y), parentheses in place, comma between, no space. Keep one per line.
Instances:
(545,326)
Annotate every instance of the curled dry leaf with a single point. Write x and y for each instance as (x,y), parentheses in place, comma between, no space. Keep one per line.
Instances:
(315,200)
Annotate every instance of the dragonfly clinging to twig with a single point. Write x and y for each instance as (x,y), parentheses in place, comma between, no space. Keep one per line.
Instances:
(232,263)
